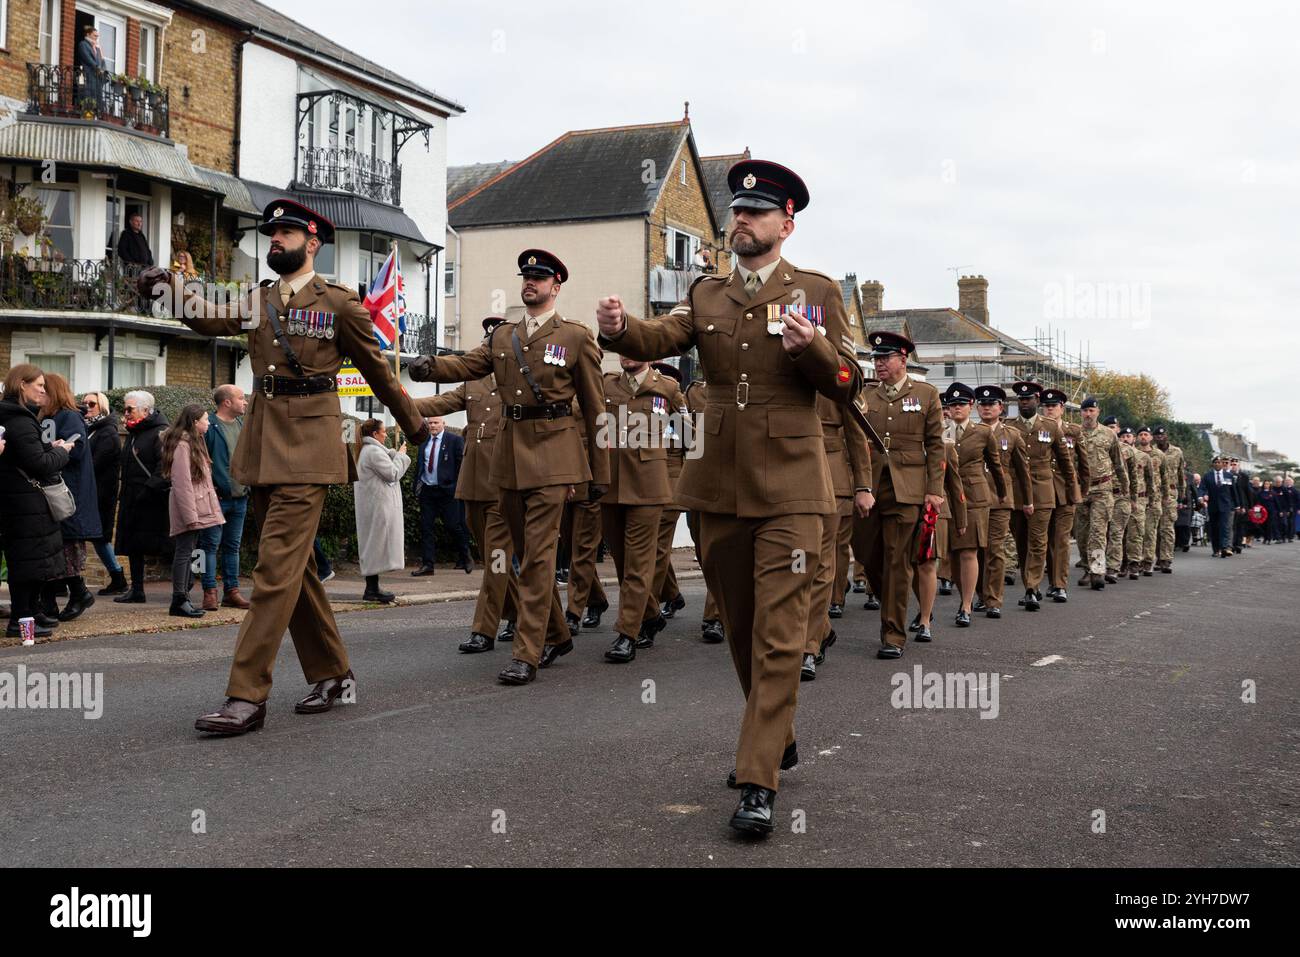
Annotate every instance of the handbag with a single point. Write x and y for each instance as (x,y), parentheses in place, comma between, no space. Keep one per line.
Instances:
(152,482)
(57,496)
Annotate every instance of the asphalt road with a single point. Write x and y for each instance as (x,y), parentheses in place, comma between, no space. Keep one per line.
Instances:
(1141,717)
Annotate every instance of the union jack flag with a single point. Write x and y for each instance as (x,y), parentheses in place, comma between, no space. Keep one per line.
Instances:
(386,301)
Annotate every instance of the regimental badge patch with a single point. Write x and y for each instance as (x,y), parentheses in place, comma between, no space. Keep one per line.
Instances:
(845,373)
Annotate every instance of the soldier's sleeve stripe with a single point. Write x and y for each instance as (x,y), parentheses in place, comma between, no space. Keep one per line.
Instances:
(680,311)
(848,343)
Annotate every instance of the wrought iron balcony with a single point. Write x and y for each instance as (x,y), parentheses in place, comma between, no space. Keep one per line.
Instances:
(87,285)
(420,336)
(71,91)
(349,171)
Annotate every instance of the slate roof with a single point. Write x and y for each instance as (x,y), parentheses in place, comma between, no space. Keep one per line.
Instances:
(715,182)
(583,175)
(461,179)
(258,16)
(949,325)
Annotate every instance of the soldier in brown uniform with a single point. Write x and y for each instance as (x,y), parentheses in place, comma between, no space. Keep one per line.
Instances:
(950,522)
(1135,534)
(1123,507)
(1044,445)
(665,584)
(979,459)
(711,630)
(761,483)
(299,329)
(1155,499)
(1174,480)
(1014,465)
(849,461)
(498,594)
(1068,495)
(638,404)
(1107,478)
(580,534)
(542,362)
(907,475)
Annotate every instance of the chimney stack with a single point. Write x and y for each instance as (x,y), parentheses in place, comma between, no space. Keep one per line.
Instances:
(873,297)
(973,298)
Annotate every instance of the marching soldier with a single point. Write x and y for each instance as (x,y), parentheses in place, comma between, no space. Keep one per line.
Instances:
(665,583)
(1116,566)
(1044,445)
(638,403)
(711,630)
(950,522)
(849,461)
(906,476)
(858,534)
(498,594)
(542,363)
(580,531)
(770,337)
(1155,500)
(1135,536)
(1107,479)
(1014,465)
(290,452)
(1175,482)
(1068,494)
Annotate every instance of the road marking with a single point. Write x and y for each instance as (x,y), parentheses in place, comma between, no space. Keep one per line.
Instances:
(1142,614)
(1049,660)
(682,808)
(828,752)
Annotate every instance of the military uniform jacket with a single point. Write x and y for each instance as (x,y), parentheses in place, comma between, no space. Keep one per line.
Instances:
(847,452)
(481,403)
(1070,491)
(638,475)
(954,492)
(1101,448)
(1015,466)
(1173,473)
(979,459)
(694,395)
(1159,482)
(1148,472)
(298,439)
(911,426)
(1132,468)
(1045,446)
(534,453)
(762,453)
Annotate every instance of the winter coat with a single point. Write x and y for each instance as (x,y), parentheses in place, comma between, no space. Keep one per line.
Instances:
(79,475)
(106,451)
(33,541)
(142,516)
(378,497)
(192,505)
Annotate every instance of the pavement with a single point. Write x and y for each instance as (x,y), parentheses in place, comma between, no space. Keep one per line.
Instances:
(1152,724)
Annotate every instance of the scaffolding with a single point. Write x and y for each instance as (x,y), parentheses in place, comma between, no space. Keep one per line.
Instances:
(1058,367)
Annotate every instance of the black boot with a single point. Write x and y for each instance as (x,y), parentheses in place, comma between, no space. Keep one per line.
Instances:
(374,593)
(117,586)
(181,607)
(49,607)
(135,596)
(80,599)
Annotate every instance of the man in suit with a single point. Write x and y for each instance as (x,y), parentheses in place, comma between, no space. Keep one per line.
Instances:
(542,363)
(761,482)
(1219,494)
(1243,532)
(290,451)
(436,474)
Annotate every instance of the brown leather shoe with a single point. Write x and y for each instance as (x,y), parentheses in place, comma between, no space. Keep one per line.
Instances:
(234,717)
(232,599)
(209,599)
(517,673)
(324,695)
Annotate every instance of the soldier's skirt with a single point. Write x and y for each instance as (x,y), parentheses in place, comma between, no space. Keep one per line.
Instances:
(977,529)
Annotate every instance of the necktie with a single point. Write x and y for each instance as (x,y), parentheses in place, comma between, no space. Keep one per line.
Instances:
(753,284)
(433,455)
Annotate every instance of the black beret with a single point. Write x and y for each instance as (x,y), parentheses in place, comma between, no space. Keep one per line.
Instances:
(1110,420)
(1088,403)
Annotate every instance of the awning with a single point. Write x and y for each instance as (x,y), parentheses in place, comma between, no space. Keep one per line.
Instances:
(344,210)
(237,197)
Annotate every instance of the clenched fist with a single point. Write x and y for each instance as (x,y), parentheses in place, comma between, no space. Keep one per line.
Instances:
(421,369)
(609,316)
(152,282)
(797,334)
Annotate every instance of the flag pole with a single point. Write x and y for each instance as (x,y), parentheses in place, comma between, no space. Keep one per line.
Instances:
(397,346)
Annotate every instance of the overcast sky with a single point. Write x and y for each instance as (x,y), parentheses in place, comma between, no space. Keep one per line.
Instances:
(1128,177)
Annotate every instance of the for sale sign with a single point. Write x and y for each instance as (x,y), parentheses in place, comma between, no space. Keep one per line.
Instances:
(352,382)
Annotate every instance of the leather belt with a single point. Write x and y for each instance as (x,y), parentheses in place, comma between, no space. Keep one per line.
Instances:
(1142,494)
(759,393)
(273,385)
(552,410)
(1101,481)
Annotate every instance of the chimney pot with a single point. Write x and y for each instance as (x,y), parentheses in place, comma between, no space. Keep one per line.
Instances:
(973,298)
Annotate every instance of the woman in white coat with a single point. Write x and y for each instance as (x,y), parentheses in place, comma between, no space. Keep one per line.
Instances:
(378,497)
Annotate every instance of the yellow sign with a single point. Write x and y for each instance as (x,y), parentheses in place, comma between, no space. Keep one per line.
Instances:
(352,382)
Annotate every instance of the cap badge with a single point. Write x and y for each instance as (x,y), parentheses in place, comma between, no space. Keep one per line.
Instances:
(749,181)
(532,260)
(279,211)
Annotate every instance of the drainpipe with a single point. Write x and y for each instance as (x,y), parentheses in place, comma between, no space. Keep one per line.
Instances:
(459,274)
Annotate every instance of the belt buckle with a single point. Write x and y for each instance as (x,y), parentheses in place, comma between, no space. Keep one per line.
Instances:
(886,441)
(550,413)
(742,402)
(517,412)
(268,385)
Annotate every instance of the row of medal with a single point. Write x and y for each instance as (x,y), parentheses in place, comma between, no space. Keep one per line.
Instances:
(313,325)
(814,314)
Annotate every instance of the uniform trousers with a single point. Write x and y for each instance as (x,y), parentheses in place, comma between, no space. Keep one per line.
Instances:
(585,590)
(1094,526)
(887,538)
(1030,533)
(665,586)
(533,516)
(993,560)
(711,612)
(1119,519)
(823,593)
(632,533)
(498,595)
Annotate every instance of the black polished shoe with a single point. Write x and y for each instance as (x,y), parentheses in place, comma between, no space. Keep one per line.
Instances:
(517,673)
(507,632)
(945,586)
(646,639)
(425,569)
(963,619)
(592,618)
(1009,579)
(915,623)
(923,633)
(40,631)
(325,693)
(889,651)
(45,621)
(836,610)
(76,605)
(754,814)
(551,652)
(1098,582)
(1031,601)
(712,633)
(379,596)
(826,643)
(133,597)
(789,758)
(808,671)
(234,717)
(1061,596)
(477,642)
(562,576)
(992,612)
(116,586)
(574,622)
(622,651)
(859,587)
(1110,579)
(872,603)
(465,565)
(670,608)
(181,608)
